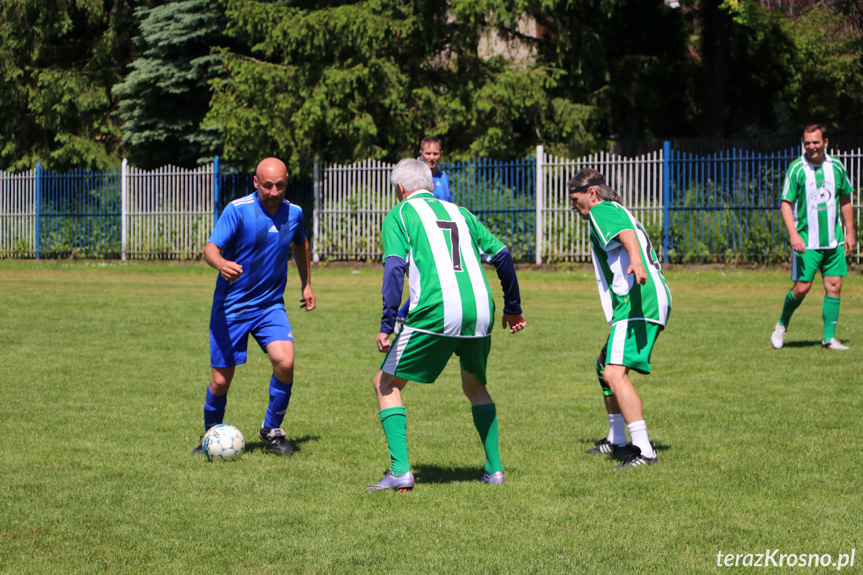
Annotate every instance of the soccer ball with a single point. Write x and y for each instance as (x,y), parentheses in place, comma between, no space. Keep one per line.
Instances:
(224,443)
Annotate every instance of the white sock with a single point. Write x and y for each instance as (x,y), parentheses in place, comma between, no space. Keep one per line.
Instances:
(638,432)
(616,429)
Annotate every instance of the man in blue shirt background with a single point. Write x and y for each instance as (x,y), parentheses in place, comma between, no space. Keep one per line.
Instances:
(430,153)
(250,246)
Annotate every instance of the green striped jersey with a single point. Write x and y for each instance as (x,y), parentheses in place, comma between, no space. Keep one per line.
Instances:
(442,245)
(622,298)
(814,191)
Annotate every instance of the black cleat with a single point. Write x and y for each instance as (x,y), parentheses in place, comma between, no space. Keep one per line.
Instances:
(276,439)
(199,449)
(605,446)
(635,460)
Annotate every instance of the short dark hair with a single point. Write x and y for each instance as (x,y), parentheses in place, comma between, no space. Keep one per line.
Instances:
(590,178)
(816,128)
(431,140)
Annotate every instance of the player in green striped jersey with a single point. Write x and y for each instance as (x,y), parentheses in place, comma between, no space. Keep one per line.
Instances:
(817,191)
(637,304)
(442,247)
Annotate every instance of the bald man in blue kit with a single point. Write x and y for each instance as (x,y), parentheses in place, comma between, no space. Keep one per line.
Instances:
(249,247)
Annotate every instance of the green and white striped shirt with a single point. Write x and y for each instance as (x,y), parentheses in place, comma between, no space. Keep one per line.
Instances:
(623,298)
(814,192)
(442,244)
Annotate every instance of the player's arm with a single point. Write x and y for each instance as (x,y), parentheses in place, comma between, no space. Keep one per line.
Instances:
(847,210)
(304,268)
(513,317)
(227,269)
(393,284)
(794,239)
(505,268)
(630,243)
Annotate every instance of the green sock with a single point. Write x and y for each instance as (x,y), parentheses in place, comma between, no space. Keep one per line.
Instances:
(830,313)
(394,421)
(485,420)
(791,304)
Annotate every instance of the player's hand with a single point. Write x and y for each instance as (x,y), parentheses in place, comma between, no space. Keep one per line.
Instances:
(849,243)
(384,342)
(640,274)
(308,300)
(231,271)
(516,323)
(797,243)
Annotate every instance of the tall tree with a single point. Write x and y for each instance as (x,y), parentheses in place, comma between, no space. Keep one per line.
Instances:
(630,60)
(166,94)
(370,78)
(58,61)
(782,71)
(715,52)
(828,60)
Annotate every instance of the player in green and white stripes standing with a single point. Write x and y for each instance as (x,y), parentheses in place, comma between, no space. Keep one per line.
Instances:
(441,246)
(637,303)
(816,191)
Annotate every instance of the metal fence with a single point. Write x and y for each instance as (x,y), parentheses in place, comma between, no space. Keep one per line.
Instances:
(563,236)
(18,209)
(725,206)
(351,202)
(59,215)
(722,206)
(123,213)
(167,213)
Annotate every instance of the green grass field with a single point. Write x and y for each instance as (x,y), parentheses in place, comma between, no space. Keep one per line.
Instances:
(103,369)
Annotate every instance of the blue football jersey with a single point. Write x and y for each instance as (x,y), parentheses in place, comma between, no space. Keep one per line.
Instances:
(260,242)
(441,187)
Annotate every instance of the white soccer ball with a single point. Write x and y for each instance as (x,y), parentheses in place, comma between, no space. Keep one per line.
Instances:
(224,443)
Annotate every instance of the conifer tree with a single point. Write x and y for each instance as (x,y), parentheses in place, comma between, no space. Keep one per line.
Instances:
(58,61)
(166,93)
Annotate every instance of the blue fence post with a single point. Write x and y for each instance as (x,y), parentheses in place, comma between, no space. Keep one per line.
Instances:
(38,209)
(217,189)
(666,199)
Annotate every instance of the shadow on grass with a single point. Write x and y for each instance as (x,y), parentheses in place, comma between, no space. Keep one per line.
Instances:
(440,474)
(296,443)
(803,343)
(657,447)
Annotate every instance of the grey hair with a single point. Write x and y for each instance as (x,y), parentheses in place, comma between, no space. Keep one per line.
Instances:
(413,175)
(590,178)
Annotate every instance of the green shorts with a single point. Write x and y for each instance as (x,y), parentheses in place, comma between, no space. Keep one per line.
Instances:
(420,356)
(630,344)
(831,262)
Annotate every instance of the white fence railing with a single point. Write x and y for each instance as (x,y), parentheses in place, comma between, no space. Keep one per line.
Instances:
(166,213)
(169,211)
(352,200)
(700,207)
(561,234)
(18,209)
(350,205)
(734,215)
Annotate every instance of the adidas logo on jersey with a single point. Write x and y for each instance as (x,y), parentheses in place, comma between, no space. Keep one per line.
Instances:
(273,229)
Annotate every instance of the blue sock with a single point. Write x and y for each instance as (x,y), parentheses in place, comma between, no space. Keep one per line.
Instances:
(214,409)
(280,396)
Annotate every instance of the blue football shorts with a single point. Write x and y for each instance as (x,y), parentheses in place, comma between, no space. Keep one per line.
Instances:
(229,338)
